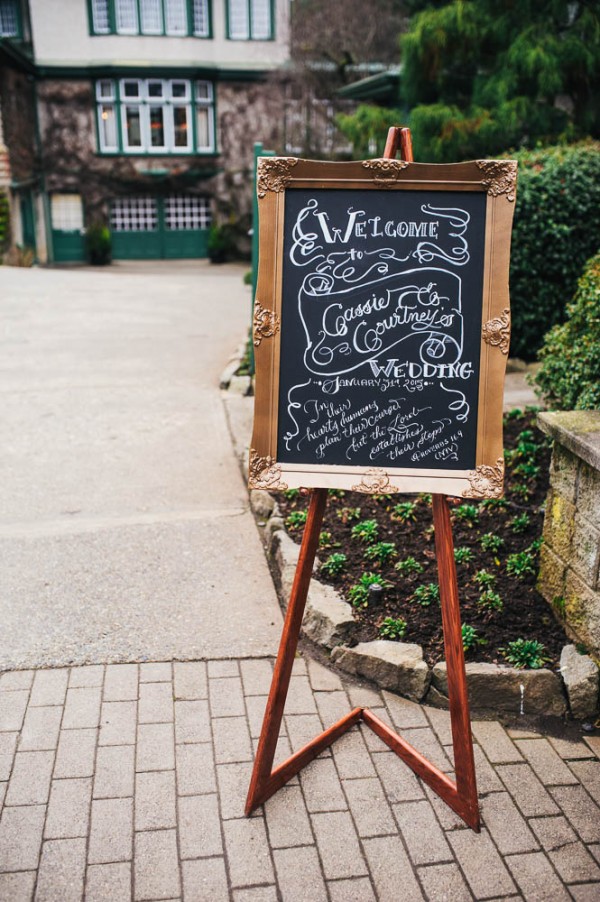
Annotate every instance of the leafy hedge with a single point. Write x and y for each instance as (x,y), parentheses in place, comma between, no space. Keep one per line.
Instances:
(569,375)
(556,230)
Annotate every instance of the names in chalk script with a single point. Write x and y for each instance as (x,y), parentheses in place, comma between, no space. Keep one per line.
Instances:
(381,324)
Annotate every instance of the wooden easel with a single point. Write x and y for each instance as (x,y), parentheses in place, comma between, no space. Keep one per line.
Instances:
(461,795)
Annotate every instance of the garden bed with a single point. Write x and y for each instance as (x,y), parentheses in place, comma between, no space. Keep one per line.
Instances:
(388,540)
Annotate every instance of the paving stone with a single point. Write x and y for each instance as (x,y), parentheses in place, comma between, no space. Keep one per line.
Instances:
(30,780)
(580,809)
(588,772)
(248,852)
(195,769)
(16,679)
(352,757)
(156,703)
(256,894)
(421,832)
(155,747)
(445,815)
(549,767)
(322,678)
(372,740)
(338,845)
(76,753)
(322,787)
(62,871)
(2,794)
(332,706)
(399,781)
(444,883)
(8,747)
(205,880)
(68,812)
(108,882)
(441,723)
(111,832)
(21,838)
(296,869)
(426,742)
(85,677)
(287,819)
(569,856)
(234,781)
(351,890)
(223,669)
(156,672)
(594,743)
(368,805)
(587,892)
(154,804)
(255,709)
(115,768)
(527,791)
(300,699)
(257,674)
(487,778)
(301,728)
(121,683)
(362,696)
(482,866)
(536,878)
(299,666)
(391,869)
(192,721)
(570,749)
(404,713)
(495,742)
(156,867)
(82,708)
(118,723)
(40,729)
(506,825)
(231,739)
(190,681)
(199,826)
(226,697)
(12,709)
(49,688)
(17,887)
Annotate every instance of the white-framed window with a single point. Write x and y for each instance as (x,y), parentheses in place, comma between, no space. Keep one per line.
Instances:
(150,17)
(66,212)
(184,212)
(9,19)
(134,214)
(155,115)
(249,20)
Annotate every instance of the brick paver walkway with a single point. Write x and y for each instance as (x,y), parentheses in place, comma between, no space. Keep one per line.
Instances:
(128,781)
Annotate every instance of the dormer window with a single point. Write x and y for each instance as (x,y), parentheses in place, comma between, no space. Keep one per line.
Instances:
(176,18)
(10,22)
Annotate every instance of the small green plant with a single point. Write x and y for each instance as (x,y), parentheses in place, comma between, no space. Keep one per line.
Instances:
(463,555)
(291,494)
(520,523)
(334,565)
(523,653)
(409,566)
(404,512)
(367,531)
(491,542)
(347,514)
(336,493)
(326,539)
(515,414)
(527,469)
(296,519)
(522,490)
(490,601)
(559,606)
(424,498)
(426,595)
(494,504)
(467,513)
(521,564)
(392,628)
(470,637)
(98,244)
(382,552)
(484,579)
(359,592)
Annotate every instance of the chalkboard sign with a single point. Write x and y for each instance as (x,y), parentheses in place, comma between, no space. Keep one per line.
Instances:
(381,325)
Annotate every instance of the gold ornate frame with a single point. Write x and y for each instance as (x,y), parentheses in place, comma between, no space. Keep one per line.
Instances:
(495,178)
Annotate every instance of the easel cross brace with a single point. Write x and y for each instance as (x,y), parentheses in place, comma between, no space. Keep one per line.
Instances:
(461,795)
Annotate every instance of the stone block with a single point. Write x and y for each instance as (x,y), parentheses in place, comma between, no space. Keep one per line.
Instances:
(552,575)
(559,524)
(496,688)
(581,678)
(564,467)
(585,552)
(285,554)
(398,666)
(262,503)
(582,611)
(328,619)
(588,494)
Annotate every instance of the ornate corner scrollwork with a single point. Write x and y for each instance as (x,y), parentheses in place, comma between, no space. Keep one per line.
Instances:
(274,174)
(375,482)
(496,332)
(486,481)
(385,172)
(265,324)
(265,473)
(500,177)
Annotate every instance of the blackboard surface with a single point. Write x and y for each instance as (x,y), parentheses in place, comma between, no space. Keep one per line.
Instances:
(381,328)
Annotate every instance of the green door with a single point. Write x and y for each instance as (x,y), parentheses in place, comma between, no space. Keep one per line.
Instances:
(28,220)
(151,228)
(66,212)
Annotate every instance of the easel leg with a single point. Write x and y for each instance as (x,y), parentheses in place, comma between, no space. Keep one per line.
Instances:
(287,649)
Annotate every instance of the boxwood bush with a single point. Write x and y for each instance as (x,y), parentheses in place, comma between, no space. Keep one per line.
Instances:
(569,375)
(556,230)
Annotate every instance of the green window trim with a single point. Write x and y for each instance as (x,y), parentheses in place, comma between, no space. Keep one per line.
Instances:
(249,10)
(103,18)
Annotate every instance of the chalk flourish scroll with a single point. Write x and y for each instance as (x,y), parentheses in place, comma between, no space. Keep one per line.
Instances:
(374,482)
(496,332)
(274,175)
(265,324)
(501,177)
(486,481)
(265,473)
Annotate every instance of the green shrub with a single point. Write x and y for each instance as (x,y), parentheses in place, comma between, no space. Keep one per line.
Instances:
(221,243)
(525,653)
(98,246)
(4,221)
(334,565)
(556,229)
(392,628)
(569,375)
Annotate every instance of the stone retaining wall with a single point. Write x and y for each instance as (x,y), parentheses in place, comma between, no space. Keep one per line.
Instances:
(570,557)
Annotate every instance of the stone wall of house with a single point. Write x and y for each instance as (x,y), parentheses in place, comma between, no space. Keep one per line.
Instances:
(570,556)
(17,102)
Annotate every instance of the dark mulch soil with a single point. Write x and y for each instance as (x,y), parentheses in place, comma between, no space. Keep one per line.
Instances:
(516,520)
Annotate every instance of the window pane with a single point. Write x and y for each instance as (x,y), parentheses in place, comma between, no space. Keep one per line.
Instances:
(185,212)
(133,126)
(108,127)
(201,20)
(261,19)
(134,214)
(105,90)
(151,16)
(157,126)
(126,11)
(66,212)
(155,89)
(204,128)
(239,27)
(204,91)
(180,126)
(131,89)
(100,18)
(176,16)
(180,89)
